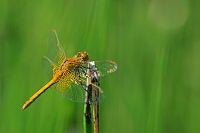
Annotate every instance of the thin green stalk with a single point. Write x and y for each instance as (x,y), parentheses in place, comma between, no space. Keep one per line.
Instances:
(87,106)
(87,112)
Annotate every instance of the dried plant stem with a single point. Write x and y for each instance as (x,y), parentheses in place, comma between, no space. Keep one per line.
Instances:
(95,96)
(92,94)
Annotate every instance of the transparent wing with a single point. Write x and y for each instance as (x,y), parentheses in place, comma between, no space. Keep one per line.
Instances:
(50,67)
(73,88)
(55,50)
(105,68)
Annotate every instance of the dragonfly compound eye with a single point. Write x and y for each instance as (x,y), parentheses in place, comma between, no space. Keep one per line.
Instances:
(83,55)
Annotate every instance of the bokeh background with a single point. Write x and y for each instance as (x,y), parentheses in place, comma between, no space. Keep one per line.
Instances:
(156,44)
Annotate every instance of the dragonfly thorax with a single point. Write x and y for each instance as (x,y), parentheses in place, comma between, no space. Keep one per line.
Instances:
(74,62)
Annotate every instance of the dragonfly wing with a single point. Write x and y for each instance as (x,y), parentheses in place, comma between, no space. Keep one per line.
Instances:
(105,68)
(50,68)
(73,88)
(55,50)
(68,89)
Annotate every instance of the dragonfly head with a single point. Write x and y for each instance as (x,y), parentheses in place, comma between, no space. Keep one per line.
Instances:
(84,56)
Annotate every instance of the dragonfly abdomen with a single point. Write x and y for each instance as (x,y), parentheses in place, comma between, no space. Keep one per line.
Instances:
(55,79)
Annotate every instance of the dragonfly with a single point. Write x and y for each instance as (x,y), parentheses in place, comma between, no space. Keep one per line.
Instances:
(68,74)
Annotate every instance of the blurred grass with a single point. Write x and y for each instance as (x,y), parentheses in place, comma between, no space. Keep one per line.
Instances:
(155,43)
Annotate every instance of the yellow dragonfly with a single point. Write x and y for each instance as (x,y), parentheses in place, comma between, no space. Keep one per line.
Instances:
(69,73)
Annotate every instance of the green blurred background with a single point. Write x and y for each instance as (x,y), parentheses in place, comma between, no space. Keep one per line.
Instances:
(156,44)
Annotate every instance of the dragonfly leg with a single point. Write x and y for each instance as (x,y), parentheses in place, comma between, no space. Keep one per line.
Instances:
(86,67)
(83,71)
(84,86)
